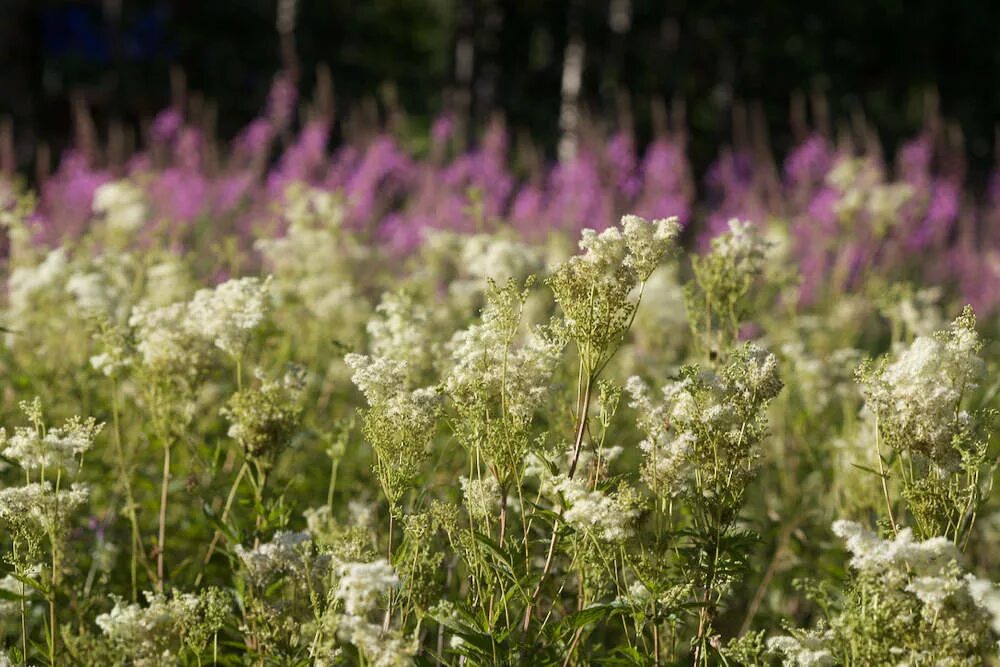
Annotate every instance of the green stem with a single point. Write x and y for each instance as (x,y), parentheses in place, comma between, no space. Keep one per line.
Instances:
(162,534)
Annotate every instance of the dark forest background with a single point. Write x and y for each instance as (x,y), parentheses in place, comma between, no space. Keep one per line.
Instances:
(881,58)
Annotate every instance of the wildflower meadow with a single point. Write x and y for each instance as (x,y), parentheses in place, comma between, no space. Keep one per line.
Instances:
(404,399)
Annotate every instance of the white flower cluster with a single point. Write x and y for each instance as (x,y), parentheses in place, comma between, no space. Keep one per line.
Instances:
(874,555)
(741,247)
(90,292)
(486,362)
(666,453)
(228,314)
(28,286)
(378,378)
(148,635)
(802,651)
(705,411)
(466,262)
(360,587)
(314,260)
(864,193)
(928,569)
(284,554)
(57,449)
(637,244)
(111,362)
(122,204)
(41,506)
(383,381)
(647,242)
(401,330)
(493,257)
(482,496)
(162,341)
(609,518)
(173,336)
(917,396)
(755,376)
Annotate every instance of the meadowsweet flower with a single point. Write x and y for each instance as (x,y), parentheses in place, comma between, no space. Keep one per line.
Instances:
(29,286)
(399,422)
(282,555)
(741,248)
(709,422)
(315,262)
(608,517)
(402,330)
(379,648)
(378,378)
(482,496)
(360,587)
(718,298)
(665,453)
(917,394)
(487,363)
(986,595)
(874,555)
(90,292)
(38,505)
(802,651)
(362,584)
(907,599)
(492,257)
(647,242)
(228,314)
(110,363)
(162,341)
(263,419)
(59,448)
(149,634)
(594,289)
(122,204)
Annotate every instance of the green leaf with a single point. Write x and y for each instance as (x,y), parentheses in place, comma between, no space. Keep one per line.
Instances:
(221,527)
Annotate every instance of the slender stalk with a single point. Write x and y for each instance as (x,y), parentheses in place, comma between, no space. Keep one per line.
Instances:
(577,448)
(162,534)
(222,519)
(388,553)
(136,540)
(24,628)
(656,644)
(333,483)
(882,475)
(54,581)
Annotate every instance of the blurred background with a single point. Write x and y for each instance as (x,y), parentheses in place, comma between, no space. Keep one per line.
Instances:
(720,69)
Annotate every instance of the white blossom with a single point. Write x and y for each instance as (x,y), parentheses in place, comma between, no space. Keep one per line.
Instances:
(282,555)
(362,584)
(148,634)
(593,511)
(122,204)
(875,555)
(39,504)
(482,496)
(806,651)
(228,314)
